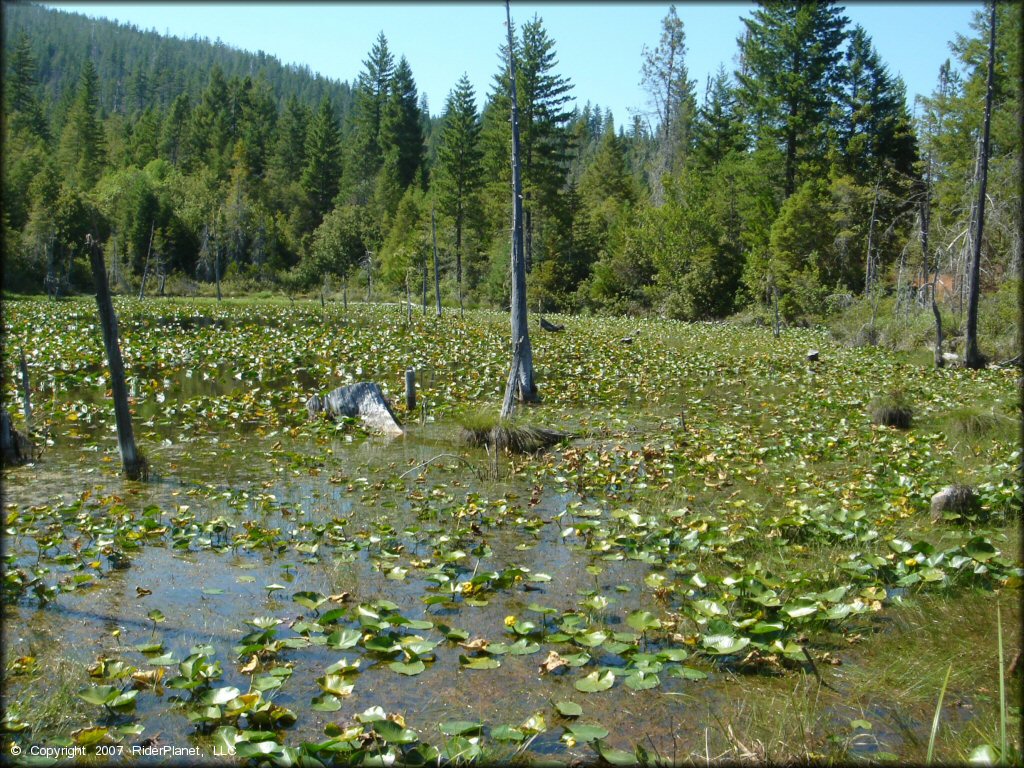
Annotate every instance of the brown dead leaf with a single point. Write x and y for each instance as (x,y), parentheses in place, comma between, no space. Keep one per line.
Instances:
(142,591)
(147,678)
(552,662)
(251,665)
(341,597)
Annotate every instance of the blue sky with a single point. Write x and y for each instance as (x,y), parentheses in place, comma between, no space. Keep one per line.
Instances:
(598,45)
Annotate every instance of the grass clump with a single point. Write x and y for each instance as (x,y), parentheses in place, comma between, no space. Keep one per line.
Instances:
(891,410)
(482,430)
(971,422)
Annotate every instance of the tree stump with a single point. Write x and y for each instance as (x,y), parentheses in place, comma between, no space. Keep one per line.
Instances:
(363,400)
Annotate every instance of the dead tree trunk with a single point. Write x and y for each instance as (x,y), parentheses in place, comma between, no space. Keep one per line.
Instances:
(972,355)
(135,466)
(521,382)
(437,266)
(145,269)
(26,391)
(424,263)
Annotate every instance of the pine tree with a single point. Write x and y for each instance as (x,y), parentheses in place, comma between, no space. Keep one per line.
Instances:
(364,154)
(289,155)
(875,131)
(82,142)
(23,105)
(789,80)
(172,135)
(717,130)
(322,173)
(401,135)
(458,175)
(666,79)
(543,97)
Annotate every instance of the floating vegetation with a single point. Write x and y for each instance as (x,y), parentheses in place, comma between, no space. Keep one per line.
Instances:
(288,589)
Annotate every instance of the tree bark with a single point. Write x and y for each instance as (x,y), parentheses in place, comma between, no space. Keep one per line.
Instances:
(135,466)
(145,269)
(26,393)
(437,266)
(521,382)
(972,355)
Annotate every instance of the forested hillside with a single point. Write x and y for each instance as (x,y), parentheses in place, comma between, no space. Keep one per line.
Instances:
(800,179)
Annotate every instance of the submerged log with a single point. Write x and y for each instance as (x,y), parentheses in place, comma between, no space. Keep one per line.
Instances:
(363,400)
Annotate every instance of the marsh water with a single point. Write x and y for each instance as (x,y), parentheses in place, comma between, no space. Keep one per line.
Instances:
(365,519)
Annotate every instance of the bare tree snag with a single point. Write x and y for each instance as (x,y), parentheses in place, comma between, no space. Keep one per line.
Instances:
(26,392)
(134,463)
(145,270)
(437,265)
(521,382)
(972,355)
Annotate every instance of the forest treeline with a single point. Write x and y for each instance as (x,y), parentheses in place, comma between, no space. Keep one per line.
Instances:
(802,178)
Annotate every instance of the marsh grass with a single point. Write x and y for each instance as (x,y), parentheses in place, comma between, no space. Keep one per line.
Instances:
(483,431)
(48,701)
(891,410)
(973,423)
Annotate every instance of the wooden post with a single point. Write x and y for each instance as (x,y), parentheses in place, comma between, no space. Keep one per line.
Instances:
(344,294)
(25,391)
(437,266)
(369,268)
(135,466)
(408,299)
(410,390)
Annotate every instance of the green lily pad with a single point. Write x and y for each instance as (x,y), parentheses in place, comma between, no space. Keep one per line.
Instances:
(459,727)
(587,731)
(569,708)
(407,668)
(595,681)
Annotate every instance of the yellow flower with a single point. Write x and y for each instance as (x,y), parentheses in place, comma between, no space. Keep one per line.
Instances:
(510,620)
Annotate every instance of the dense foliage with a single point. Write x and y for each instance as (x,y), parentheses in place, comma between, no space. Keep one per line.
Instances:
(798,177)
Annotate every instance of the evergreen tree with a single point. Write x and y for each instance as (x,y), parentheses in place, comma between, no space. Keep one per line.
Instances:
(401,136)
(23,107)
(542,97)
(365,155)
(458,177)
(666,79)
(289,155)
(717,130)
(875,133)
(172,134)
(789,80)
(82,142)
(322,173)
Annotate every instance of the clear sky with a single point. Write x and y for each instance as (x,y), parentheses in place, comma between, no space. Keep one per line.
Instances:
(599,45)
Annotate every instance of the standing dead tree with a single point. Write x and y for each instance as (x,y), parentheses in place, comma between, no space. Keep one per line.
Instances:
(134,463)
(972,355)
(520,378)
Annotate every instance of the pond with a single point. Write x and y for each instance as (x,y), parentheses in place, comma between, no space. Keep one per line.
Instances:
(665,582)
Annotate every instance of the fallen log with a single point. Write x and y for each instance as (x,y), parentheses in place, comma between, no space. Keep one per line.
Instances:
(363,400)
(553,327)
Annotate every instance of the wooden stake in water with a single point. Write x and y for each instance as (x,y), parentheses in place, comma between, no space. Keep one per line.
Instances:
(25,392)
(410,390)
(135,466)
